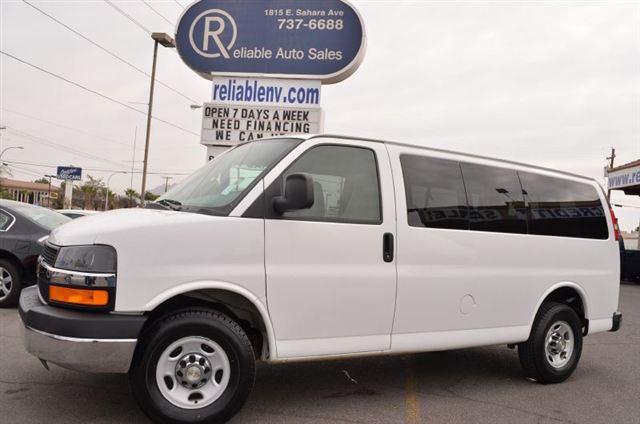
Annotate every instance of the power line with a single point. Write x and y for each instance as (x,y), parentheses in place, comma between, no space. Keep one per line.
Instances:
(126,15)
(158,13)
(24,170)
(104,96)
(50,143)
(109,52)
(179,4)
(66,127)
(50,165)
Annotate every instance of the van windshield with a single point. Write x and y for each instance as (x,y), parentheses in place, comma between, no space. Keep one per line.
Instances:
(218,187)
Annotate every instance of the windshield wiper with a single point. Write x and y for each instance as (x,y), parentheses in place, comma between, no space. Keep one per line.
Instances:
(170,204)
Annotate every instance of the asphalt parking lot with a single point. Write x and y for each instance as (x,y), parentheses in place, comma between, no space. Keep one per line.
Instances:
(466,386)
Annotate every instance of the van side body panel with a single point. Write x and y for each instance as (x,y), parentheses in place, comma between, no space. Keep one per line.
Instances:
(462,288)
(163,253)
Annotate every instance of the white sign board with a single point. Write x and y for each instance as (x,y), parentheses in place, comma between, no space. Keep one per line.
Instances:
(624,178)
(228,125)
(266,92)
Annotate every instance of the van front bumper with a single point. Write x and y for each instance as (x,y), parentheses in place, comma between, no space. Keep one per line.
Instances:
(82,341)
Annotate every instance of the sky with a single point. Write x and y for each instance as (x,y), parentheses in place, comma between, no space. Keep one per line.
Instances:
(555,84)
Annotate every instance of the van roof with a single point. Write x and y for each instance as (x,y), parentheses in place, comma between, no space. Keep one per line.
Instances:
(434,149)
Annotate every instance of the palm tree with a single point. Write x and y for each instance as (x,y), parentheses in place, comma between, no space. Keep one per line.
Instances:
(112,200)
(132,194)
(89,189)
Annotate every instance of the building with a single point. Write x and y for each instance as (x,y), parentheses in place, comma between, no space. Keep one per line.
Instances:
(29,192)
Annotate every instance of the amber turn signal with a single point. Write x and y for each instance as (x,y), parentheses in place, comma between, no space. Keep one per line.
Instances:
(79,296)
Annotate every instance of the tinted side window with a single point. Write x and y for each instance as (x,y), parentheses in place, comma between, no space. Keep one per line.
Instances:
(563,208)
(495,198)
(435,193)
(345,184)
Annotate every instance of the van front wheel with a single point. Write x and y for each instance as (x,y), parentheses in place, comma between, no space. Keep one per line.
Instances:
(194,366)
(555,344)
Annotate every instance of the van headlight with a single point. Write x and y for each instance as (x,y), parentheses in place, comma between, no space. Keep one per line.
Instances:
(91,259)
(82,277)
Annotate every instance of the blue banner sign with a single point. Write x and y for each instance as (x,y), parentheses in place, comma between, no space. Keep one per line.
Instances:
(69,173)
(299,39)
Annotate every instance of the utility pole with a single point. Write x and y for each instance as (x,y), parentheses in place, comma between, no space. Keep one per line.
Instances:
(49,195)
(133,160)
(166,182)
(611,159)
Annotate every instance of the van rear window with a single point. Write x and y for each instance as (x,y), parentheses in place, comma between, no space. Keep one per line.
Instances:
(559,207)
(465,196)
(496,202)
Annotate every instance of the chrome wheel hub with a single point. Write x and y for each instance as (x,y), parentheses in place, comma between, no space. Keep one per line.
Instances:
(559,344)
(6,282)
(193,372)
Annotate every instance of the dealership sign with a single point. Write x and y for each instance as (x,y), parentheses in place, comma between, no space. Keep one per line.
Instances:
(266,92)
(297,39)
(624,178)
(228,125)
(69,173)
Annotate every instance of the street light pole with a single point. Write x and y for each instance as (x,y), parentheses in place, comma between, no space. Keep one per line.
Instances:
(9,148)
(106,195)
(166,41)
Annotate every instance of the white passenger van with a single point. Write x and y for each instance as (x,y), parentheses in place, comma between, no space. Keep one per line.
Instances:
(323,246)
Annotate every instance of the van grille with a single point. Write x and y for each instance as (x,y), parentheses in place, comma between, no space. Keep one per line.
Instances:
(49,254)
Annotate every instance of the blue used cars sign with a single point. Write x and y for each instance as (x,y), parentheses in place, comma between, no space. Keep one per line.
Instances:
(308,39)
(69,173)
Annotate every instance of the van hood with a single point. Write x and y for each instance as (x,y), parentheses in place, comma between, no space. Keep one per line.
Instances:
(91,229)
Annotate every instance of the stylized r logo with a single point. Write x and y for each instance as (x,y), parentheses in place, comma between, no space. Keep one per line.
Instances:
(216,25)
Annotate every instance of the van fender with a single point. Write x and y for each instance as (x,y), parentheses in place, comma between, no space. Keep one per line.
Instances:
(581,292)
(220,285)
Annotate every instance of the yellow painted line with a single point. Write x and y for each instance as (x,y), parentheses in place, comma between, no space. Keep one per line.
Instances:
(412,407)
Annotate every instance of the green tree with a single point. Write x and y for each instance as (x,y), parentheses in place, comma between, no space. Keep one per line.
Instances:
(42,180)
(89,190)
(4,193)
(150,197)
(114,200)
(132,195)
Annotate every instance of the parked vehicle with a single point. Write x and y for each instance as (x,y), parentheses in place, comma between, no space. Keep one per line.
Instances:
(305,248)
(23,228)
(629,263)
(76,213)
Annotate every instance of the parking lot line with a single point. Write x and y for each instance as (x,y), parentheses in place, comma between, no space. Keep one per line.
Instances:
(412,407)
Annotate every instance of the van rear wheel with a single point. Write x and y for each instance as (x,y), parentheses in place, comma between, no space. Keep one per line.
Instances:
(555,344)
(193,366)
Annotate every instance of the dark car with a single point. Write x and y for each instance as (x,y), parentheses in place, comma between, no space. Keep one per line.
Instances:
(23,229)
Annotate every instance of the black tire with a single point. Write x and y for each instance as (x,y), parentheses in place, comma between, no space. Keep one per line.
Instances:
(10,299)
(218,328)
(533,353)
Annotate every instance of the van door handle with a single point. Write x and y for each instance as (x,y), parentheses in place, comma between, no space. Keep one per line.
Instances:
(387,247)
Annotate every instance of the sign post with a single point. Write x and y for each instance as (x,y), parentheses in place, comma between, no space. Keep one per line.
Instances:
(267,62)
(68,174)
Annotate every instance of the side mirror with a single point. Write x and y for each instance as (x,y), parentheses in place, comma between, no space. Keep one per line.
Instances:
(298,194)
